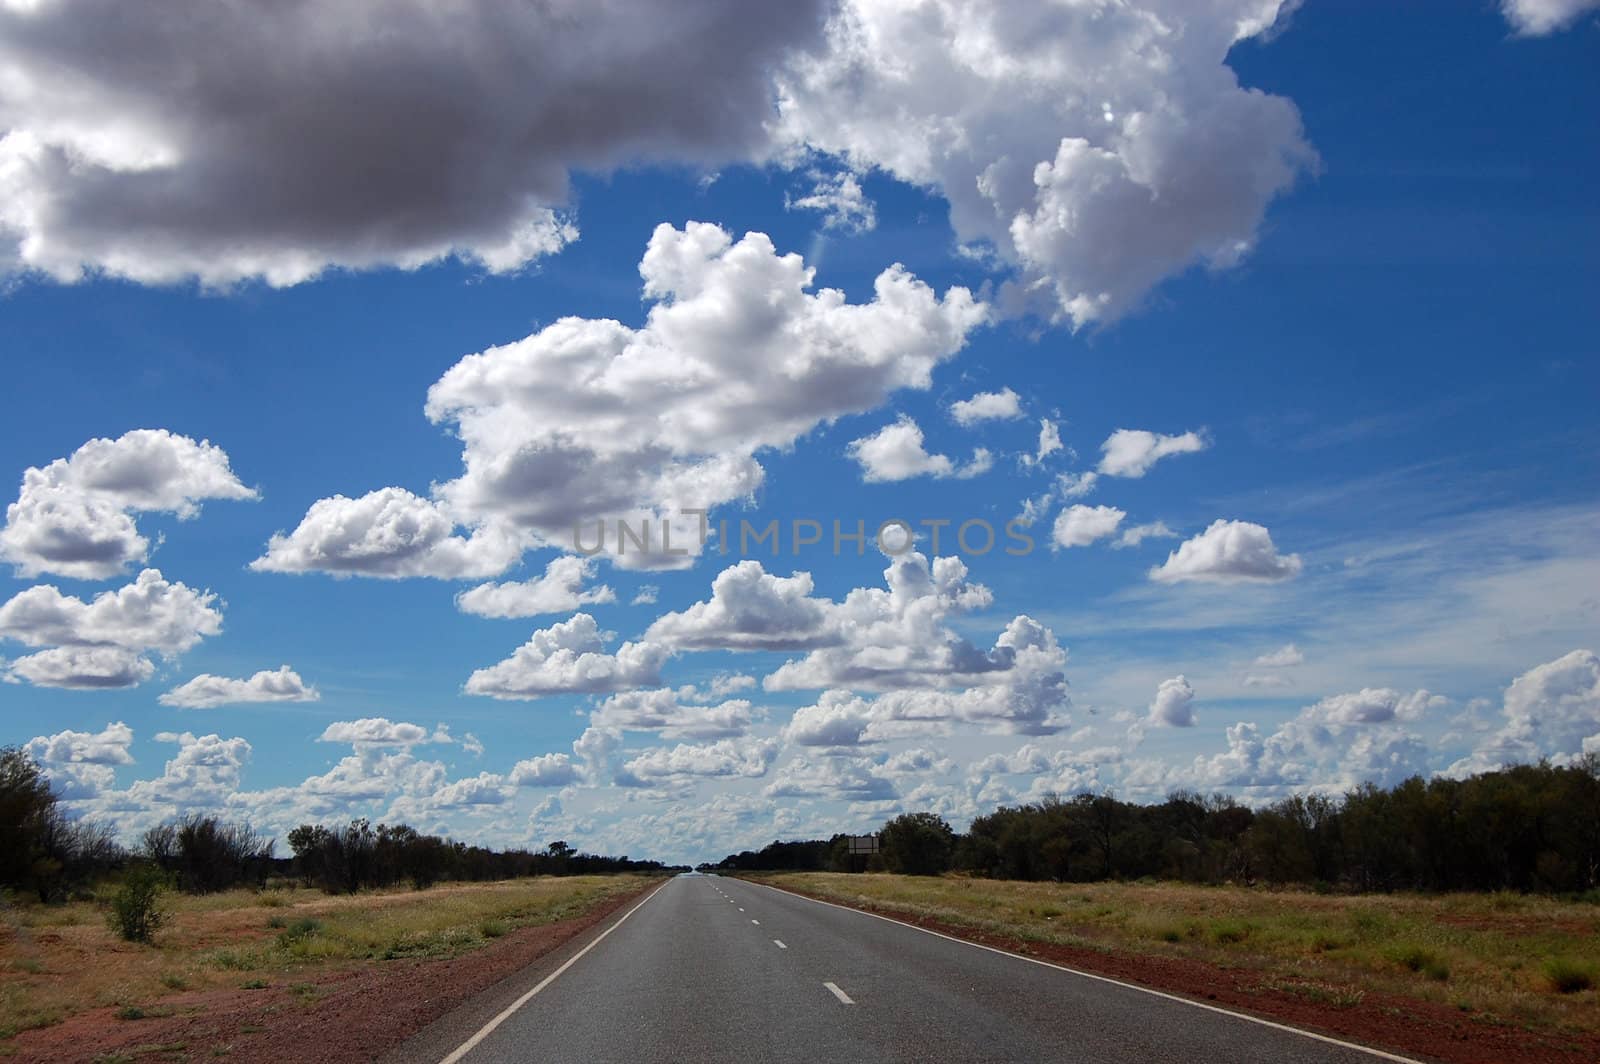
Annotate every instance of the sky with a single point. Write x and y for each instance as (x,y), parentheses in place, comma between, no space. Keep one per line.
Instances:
(1231,367)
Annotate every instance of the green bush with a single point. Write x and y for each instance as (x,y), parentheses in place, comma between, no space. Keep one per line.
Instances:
(1567,976)
(299,930)
(137,912)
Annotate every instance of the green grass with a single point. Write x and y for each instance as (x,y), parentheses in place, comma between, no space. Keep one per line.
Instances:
(1523,960)
(1567,976)
(218,941)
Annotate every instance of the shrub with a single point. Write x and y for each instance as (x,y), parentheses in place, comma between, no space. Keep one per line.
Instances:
(493,928)
(136,908)
(1568,976)
(299,930)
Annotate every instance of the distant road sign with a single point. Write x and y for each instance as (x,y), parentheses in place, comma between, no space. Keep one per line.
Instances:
(863,844)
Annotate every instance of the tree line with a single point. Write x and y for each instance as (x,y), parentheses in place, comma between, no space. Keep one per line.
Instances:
(47,853)
(1523,828)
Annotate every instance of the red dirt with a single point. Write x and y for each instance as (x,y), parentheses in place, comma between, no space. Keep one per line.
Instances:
(354,1013)
(1393,1022)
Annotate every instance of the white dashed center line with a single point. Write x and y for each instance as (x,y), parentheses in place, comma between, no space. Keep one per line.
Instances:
(779,944)
(755,921)
(844,999)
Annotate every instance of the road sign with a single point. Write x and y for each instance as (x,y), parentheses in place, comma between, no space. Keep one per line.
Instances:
(863,844)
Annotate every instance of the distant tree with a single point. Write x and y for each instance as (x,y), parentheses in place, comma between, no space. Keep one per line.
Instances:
(918,844)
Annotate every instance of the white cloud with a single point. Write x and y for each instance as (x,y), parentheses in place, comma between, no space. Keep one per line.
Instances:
(82,764)
(1173,704)
(1552,710)
(1003,405)
(1097,148)
(840,201)
(372,732)
(1228,552)
(588,420)
(1134,535)
(746,758)
(1537,18)
(559,590)
(388,533)
(841,778)
(1131,452)
(570,657)
(751,609)
(663,710)
(82,668)
(546,770)
(1372,705)
(103,643)
(1079,525)
(896,452)
(1049,444)
(72,516)
(646,595)
(207,691)
(136,170)
(1284,657)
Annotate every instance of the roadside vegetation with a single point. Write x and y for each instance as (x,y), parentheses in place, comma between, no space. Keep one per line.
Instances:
(201,903)
(1527,828)
(57,960)
(1500,958)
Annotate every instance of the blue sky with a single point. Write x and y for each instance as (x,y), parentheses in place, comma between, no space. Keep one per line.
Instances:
(1384,391)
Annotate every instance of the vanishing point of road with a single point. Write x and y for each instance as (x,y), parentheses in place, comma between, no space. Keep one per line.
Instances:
(707,968)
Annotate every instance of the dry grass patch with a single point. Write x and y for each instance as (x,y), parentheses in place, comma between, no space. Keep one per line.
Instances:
(62,960)
(1504,958)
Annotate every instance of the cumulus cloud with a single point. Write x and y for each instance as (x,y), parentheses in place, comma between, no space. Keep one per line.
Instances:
(560,590)
(1228,552)
(1134,535)
(751,609)
(105,642)
(896,452)
(1330,746)
(82,764)
(1173,705)
(840,200)
(1537,18)
(570,657)
(1131,452)
(373,732)
(547,770)
(747,758)
(1079,525)
(393,534)
(1096,148)
(589,420)
(1003,405)
(1552,710)
(665,711)
(72,516)
(843,778)
(157,148)
(207,691)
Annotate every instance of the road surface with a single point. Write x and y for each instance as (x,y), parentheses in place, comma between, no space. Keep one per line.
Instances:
(713,969)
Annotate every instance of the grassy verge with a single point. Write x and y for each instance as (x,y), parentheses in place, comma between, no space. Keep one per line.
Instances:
(59,960)
(1503,958)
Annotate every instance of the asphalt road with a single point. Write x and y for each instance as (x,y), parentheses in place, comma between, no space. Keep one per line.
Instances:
(714,969)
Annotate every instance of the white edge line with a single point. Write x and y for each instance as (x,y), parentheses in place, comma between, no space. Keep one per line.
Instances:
(1379,1053)
(844,999)
(483,1032)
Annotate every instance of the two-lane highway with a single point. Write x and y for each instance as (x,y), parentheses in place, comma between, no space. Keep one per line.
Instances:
(714,969)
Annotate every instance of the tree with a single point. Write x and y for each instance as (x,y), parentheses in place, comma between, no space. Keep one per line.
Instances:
(917,844)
